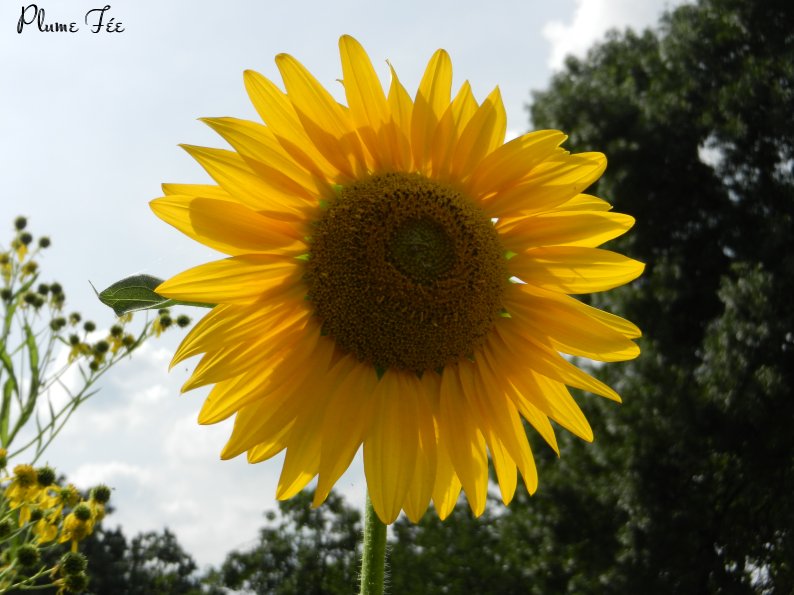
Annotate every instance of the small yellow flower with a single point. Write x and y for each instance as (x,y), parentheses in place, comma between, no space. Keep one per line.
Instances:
(46,528)
(78,524)
(23,492)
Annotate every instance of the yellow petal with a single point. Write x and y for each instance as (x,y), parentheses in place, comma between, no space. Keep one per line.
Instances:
(584,202)
(366,100)
(228,226)
(464,441)
(485,387)
(390,449)
(553,399)
(271,378)
(258,146)
(401,108)
(570,269)
(275,109)
(305,441)
(237,178)
(544,360)
(484,132)
(239,279)
(566,228)
(432,99)
(350,407)
(230,361)
(421,490)
(326,123)
(513,161)
(195,190)
(227,325)
(269,448)
(260,421)
(548,186)
(571,329)
(445,137)
(446,487)
(536,418)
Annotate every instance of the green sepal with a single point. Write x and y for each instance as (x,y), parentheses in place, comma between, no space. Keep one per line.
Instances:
(138,293)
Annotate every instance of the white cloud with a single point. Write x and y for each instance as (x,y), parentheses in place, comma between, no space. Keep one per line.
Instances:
(110,473)
(593,18)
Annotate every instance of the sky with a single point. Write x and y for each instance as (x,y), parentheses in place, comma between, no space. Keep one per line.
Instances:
(89,127)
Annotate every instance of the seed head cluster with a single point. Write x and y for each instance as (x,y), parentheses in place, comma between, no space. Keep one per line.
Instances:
(405,272)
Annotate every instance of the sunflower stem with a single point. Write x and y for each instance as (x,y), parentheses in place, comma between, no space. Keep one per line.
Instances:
(373,556)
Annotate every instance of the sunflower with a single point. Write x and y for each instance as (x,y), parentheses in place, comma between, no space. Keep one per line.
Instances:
(398,277)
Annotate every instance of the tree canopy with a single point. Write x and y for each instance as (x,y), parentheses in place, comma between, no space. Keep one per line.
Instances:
(696,121)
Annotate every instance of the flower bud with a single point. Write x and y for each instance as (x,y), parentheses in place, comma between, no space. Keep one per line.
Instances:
(45,476)
(75,583)
(89,326)
(44,242)
(28,555)
(72,563)
(6,527)
(82,512)
(20,223)
(101,494)
(182,321)
(25,238)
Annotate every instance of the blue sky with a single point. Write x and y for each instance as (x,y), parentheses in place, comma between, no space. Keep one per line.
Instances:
(89,127)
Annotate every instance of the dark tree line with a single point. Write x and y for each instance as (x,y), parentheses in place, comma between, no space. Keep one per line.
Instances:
(696,119)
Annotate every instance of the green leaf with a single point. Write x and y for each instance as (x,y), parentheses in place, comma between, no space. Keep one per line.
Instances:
(5,411)
(138,293)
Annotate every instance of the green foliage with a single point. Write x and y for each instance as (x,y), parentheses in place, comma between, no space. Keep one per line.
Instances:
(696,467)
(458,555)
(137,292)
(300,551)
(149,563)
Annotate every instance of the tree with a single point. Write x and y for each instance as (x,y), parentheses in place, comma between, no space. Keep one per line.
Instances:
(150,563)
(460,554)
(300,551)
(697,465)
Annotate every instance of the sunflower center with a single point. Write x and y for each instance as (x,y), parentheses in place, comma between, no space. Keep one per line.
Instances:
(421,250)
(405,272)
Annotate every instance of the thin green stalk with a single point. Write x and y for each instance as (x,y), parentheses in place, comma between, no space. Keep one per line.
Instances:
(373,557)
